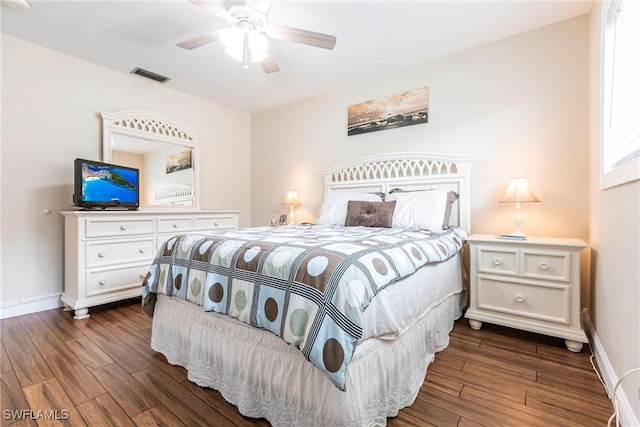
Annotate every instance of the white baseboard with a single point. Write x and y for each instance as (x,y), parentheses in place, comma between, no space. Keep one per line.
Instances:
(30,305)
(627,416)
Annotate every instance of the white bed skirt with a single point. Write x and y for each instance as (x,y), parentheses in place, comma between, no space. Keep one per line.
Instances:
(267,378)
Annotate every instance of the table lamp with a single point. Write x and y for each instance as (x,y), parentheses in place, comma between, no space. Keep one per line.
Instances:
(518,191)
(291,200)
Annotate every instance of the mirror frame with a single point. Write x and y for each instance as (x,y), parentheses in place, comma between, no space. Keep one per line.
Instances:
(155,127)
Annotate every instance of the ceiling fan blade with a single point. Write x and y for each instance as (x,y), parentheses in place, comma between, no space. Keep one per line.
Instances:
(261,6)
(310,38)
(269,65)
(200,40)
(212,6)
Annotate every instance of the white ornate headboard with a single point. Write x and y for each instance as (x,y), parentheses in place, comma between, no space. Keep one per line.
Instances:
(408,171)
(174,194)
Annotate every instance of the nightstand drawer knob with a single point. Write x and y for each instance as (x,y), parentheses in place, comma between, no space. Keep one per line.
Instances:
(497,261)
(102,254)
(543,265)
(519,298)
(123,227)
(102,282)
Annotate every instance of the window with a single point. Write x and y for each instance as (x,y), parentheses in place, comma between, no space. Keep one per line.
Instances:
(620,139)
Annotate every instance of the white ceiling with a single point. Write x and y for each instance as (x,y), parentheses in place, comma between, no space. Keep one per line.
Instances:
(375,38)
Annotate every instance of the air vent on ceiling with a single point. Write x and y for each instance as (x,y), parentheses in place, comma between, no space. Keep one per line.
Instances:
(150,75)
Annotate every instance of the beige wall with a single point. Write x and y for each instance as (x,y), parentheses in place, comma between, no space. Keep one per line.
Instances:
(519,106)
(614,222)
(50,116)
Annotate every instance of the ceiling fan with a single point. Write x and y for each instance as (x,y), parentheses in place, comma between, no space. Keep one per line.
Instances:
(246,38)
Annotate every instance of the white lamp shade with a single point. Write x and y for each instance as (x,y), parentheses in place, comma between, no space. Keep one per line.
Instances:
(291,199)
(519,191)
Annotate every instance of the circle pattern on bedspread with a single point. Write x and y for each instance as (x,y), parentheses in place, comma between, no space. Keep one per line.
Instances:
(380,266)
(298,322)
(240,300)
(216,292)
(251,253)
(416,253)
(317,265)
(177,282)
(271,309)
(332,355)
(195,287)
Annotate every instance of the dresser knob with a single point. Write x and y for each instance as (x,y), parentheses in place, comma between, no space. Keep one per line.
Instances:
(143,275)
(497,261)
(215,224)
(123,227)
(543,265)
(519,298)
(102,282)
(175,225)
(142,250)
(102,254)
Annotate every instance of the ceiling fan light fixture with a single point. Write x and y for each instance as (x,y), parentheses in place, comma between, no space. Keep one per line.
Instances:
(245,47)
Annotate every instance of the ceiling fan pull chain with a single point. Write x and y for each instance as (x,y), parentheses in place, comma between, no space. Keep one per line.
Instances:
(245,51)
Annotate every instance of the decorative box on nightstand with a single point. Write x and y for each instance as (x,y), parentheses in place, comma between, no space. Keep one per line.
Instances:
(531,284)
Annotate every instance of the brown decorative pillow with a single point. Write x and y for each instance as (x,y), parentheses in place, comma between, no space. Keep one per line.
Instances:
(370,214)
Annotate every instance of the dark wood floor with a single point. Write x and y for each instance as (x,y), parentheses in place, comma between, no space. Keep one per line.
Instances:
(102,372)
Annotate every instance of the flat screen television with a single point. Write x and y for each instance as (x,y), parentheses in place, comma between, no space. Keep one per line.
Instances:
(100,185)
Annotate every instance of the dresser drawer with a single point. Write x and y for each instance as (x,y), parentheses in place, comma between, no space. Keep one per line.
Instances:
(110,253)
(543,301)
(497,261)
(213,223)
(102,282)
(125,227)
(177,225)
(546,265)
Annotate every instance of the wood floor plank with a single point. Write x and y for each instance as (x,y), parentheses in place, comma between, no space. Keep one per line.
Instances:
(88,352)
(27,363)
(142,345)
(443,383)
(158,416)
(117,350)
(34,325)
(61,323)
(49,398)
(186,406)
(5,363)
(12,398)
(499,386)
(490,363)
(214,399)
(182,403)
(72,375)
(127,392)
(104,411)
(592,411)
(516,412)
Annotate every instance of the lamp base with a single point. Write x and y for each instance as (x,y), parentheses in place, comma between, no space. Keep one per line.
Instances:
(291,221)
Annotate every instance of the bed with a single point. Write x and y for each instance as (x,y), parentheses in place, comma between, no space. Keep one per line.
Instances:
(361,351)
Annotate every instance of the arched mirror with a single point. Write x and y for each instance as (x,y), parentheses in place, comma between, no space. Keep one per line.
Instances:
(165,151)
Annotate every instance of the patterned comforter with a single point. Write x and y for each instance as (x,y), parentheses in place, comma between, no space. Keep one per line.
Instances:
(307,284)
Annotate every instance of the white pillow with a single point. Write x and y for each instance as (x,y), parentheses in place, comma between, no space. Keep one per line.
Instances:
(420,209)
(334,206)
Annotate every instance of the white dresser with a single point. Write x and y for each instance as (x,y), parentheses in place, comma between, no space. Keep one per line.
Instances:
(531,284)
(108,253)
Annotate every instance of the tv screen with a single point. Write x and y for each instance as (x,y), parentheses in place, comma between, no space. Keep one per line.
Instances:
(100,185)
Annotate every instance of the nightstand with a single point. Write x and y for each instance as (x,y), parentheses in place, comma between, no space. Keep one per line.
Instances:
(531,284)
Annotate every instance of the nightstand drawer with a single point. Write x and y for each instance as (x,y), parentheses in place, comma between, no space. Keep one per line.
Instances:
(497,261)
(543,301)
(216,223)
(546,265)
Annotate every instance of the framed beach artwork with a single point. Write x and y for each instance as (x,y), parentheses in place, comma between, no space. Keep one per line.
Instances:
(402,109)
(179,161)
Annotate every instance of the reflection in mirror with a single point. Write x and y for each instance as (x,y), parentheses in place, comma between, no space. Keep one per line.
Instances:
(163,149)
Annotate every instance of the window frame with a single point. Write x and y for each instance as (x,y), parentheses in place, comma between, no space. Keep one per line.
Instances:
(629,171)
